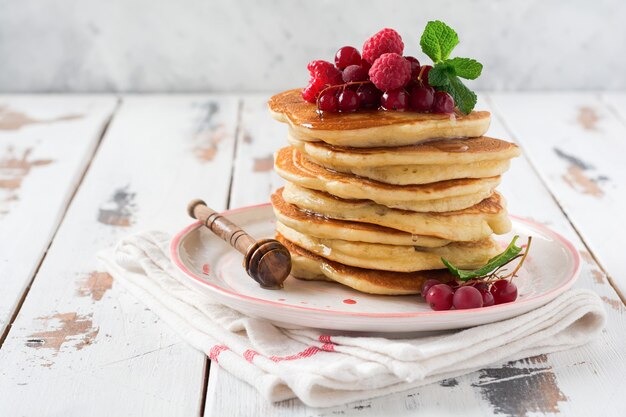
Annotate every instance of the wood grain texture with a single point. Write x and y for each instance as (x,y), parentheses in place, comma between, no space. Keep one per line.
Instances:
(46,144)
(579,382)
(81,345)
(258,138)
(577,144)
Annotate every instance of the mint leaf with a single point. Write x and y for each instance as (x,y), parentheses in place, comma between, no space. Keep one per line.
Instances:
(443,78)
(438,40)
(440,74)
(464,98)
(494,263)
(467,68)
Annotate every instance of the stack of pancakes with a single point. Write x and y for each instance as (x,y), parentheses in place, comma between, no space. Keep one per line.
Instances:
(375,199)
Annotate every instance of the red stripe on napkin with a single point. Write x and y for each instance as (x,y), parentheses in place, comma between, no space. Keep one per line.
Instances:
(215,352)
(249,355)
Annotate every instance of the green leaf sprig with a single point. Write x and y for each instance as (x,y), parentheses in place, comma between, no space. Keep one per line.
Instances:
(511,253)
(438,41)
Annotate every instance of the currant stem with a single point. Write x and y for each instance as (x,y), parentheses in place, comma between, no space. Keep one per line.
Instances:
(519,265)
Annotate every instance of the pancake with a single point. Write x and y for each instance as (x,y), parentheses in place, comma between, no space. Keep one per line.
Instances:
(371,128)
(439,196)
(309,266)
(322,227)
(426,174)
(474,223)
(392,257)
(433,152)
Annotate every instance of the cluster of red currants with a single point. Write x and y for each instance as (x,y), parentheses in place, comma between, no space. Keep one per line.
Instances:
(474,294)
(381,79)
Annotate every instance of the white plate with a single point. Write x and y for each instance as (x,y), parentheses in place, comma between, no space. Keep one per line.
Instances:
(216,270)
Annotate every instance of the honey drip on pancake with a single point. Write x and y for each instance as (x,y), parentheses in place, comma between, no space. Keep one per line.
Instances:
(304,114)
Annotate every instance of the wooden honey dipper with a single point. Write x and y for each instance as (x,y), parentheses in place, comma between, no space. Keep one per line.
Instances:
(267,261)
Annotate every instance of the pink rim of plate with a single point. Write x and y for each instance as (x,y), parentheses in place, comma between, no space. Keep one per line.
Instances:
(175,244)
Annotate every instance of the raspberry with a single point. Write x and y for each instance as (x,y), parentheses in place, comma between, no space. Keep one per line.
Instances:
(316,66)
(324,72)
(390,71)
(385,41)
(311,91)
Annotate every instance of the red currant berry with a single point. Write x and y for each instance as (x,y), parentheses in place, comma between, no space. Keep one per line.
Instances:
(488,299)
(366,65)
(503,291)
(347,56)
(453,284)
(467,297)
(328,102)
(423,77)
(422,98)
(354,73)
(427,284)
(349,101)
(443,102)
(481,286)
(440,297)
(395,100)
(370,96)
(415,66)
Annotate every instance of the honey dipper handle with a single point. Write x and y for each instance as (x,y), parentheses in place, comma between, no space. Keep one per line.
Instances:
(221,226)
(267,261)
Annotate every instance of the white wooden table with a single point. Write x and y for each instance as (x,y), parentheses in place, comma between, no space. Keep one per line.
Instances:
(79,172)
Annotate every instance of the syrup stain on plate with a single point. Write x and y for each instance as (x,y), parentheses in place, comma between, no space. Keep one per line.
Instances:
(349,301)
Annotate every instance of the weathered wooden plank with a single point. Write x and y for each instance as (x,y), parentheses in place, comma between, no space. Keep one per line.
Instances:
(577,145)
(46,143)
(81,345)
(617,103)
(254,178)
(580,382)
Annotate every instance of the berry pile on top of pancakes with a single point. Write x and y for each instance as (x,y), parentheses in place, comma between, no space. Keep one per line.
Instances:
(376,194)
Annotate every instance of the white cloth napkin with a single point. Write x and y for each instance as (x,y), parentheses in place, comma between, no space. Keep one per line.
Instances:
(323,370)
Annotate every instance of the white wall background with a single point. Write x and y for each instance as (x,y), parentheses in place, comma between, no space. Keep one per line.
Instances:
(247,45)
